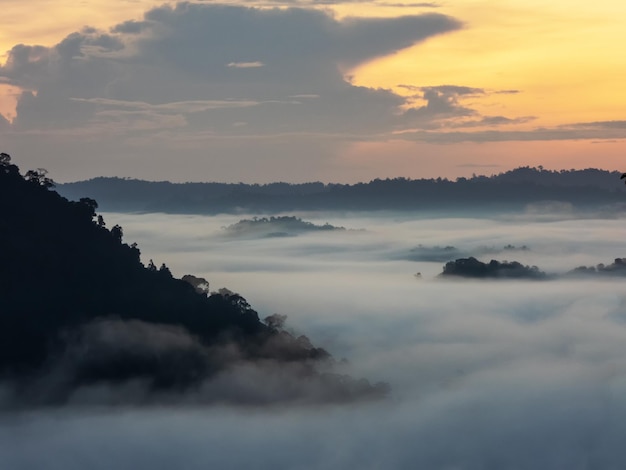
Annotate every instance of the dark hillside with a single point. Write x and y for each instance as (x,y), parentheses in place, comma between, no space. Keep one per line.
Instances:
(70,288)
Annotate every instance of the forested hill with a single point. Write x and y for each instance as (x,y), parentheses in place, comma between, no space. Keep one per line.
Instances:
(513,188)
(78,309)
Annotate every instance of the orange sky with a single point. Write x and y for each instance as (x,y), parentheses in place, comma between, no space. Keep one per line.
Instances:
(564,59)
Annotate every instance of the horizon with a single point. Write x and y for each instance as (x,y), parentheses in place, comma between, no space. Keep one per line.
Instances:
(337,183)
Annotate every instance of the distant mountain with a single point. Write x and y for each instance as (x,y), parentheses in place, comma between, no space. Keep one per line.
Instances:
(616,269)
(284,226)
(473,268)
(514,188)
(430,253)
(79,309)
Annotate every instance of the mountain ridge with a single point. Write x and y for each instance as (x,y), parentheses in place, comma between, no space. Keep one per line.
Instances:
(514,188)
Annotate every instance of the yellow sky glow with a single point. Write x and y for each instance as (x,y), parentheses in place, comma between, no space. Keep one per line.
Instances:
(566,58)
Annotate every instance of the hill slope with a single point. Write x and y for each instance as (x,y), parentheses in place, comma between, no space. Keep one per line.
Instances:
(77,304)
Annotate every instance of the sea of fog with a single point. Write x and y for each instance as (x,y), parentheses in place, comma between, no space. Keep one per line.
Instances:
(484,374)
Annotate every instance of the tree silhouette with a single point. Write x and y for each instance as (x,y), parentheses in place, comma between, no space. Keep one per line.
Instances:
(39,176)
(117,233)
(101,316)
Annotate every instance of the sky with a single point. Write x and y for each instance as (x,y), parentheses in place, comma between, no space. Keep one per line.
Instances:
(260,91)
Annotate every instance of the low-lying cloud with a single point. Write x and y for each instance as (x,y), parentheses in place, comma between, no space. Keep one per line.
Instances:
(484,375)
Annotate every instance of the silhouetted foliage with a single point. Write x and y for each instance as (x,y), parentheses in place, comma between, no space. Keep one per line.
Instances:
(39,176)
(71,290)
(200,284)
(471,267)
(617,268)
(117,233)
(275,227)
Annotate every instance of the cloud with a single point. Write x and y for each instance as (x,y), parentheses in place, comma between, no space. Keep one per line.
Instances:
(412,5)
(197,53)
(130,27)
(245,65)
(187,76)
(445,109)
(508,92)
(456,90)
(196,43)
(485,375)
(601,125)
(314,3)
(181,106)
(571,132)
(5,124)
(266,90)
(114,362)
(443,106)
(492,121)
(453,90)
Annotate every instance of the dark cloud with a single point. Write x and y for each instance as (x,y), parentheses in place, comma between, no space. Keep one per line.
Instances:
(300,47)
(453,90)
(412,5)
(110,361)
(538,134)
(193,76)
(310,3)
(491,121)
(47,110)
(442,104)
(246,65)
(499,120)
(134,106)
(198,52)
(444,108)
(130,27)
(5,124)
(446,89)
(601,125)
(29,63)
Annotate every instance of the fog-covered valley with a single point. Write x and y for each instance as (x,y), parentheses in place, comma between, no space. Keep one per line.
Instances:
(483,374)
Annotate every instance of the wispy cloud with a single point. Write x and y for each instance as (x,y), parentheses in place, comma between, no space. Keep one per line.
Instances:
(245,65)
(180,106)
